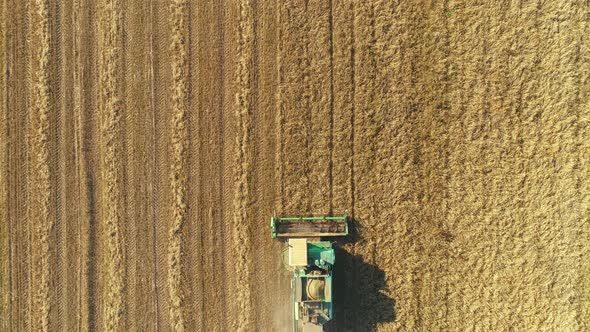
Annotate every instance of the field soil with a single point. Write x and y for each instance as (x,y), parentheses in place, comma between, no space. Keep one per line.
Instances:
(144,146)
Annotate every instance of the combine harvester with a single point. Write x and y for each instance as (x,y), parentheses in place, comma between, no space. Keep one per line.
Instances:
(311,259)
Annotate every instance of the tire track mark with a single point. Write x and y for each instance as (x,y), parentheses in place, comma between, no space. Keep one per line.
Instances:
(198,244)
(87,106)
(141,296)
(134,59)
(206,61)
(61,156)
(56,247)
(162,58)
(21,98)
(243,171)
(29,205)
(42,177)
(178,167)
(228,117)
(127,226)
(84,49)
(111,109)
(18,213)
(71,181)
(156,168)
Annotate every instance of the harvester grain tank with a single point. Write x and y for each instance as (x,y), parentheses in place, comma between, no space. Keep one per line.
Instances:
(311,259)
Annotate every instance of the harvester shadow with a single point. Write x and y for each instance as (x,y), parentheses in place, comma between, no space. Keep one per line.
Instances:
(360,303)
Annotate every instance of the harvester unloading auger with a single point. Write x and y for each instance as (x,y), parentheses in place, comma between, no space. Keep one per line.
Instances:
(311,259)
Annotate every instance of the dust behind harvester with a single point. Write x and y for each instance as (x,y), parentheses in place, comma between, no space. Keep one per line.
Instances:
(311,259)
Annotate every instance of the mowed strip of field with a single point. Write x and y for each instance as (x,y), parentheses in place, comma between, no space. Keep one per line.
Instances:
(144,146)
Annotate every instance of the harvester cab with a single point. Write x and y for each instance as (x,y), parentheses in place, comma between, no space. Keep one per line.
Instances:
(310,258)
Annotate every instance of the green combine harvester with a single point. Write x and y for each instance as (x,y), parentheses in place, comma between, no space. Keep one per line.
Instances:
(311,259)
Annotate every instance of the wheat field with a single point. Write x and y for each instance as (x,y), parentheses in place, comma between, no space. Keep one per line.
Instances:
(144,146)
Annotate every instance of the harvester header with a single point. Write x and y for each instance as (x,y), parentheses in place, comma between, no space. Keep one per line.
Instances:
(308,226)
